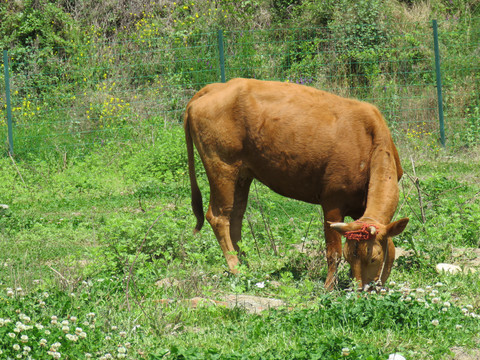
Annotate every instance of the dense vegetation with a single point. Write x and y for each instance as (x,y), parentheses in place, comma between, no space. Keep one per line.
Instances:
(86,72)
(97,255)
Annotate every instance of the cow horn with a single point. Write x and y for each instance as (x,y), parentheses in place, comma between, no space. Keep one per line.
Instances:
(373,230)
(339,226)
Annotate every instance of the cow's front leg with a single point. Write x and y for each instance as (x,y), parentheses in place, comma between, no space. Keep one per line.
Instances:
(333,242)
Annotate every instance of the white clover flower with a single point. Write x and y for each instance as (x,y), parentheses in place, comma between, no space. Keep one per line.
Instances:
(345,351)
(73,319)
(46,294)
(47,332)
(121,356)
(438,284)
(444,309)
(20,325)
(82,335)
(85,323)
(435,322)
(65,329)
(469,307)
(91,315)
(465,311)
(458,327)
(24,318)
(260,285)
(122,334)
(408,299)
(55,346)
(12,335)
(54,320)
(392,283)
(42,303)
(24,339)
(16,347)
(78,330)
(122,350)
(128,345)
(114,328)
(88,356)
(447,304)
(19,291)
(43,343)
(10,292)
(27,349)
(108,356)
(71,337)
(65,323)
(383,291)
(420,291)
(435,300)
(108,338)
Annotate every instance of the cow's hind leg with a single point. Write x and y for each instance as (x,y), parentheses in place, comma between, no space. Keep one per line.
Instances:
(224,206)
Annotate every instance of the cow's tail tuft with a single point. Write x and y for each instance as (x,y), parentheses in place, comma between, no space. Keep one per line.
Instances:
(197,203)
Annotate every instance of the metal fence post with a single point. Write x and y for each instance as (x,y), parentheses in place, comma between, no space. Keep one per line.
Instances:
(221,54)
(439,82)
(7,97)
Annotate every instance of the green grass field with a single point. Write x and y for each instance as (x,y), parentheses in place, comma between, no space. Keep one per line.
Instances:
(97,260)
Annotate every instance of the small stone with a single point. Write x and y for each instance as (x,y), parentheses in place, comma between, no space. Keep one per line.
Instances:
(448,268)
(396,357)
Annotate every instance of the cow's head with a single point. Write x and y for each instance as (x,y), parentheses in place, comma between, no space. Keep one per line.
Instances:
(369,248)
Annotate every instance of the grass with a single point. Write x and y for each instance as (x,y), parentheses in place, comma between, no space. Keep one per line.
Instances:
(93,235)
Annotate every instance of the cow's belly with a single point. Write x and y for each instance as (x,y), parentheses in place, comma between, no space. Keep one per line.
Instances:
(309,183)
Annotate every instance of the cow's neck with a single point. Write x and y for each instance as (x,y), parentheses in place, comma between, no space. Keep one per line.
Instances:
(383,190)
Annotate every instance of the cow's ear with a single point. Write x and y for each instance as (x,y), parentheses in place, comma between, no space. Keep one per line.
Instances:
(396,227)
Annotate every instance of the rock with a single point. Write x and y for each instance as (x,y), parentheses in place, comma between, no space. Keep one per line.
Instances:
(454,269)
(396,357)
(252,304)
(448,268)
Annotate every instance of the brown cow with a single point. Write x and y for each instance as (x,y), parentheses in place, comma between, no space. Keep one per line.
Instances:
(305,144)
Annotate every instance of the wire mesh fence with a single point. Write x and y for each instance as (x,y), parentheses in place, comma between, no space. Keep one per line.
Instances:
(98,92)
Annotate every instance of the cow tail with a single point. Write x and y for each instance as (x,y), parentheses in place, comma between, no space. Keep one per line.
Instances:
(197,203)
